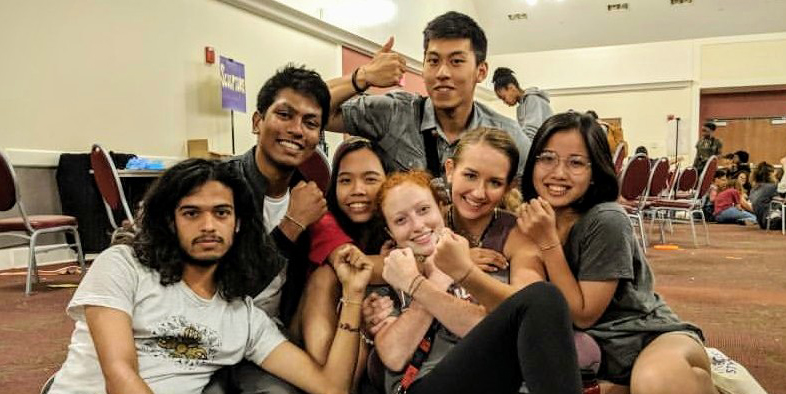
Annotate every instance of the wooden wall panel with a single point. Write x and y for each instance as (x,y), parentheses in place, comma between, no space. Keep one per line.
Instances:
(763,140)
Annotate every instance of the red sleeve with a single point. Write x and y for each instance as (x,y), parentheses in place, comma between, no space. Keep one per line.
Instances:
(326,236)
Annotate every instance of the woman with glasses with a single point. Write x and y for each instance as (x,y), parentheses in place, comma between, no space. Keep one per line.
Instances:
(585,243)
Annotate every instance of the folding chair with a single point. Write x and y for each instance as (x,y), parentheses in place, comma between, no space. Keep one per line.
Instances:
(30,227)
(109,185)
(657,187)
(777,204)
(691,205)
(633,186)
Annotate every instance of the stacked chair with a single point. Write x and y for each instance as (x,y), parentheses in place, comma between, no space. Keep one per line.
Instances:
(686,203)
(633,190)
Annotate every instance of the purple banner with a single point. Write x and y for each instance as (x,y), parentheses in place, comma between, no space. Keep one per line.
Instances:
(233,84)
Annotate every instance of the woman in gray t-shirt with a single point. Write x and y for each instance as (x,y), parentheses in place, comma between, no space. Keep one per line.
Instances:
(589,252)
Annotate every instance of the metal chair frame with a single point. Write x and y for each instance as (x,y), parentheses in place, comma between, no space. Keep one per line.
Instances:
(31,234)
(637,197)
(775,205)
(690,206)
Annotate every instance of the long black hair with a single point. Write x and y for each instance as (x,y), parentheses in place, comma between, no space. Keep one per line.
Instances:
(604,186)
(251,260)
(368,236)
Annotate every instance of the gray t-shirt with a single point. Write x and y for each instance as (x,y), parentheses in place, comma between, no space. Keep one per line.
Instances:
(392,122)
(760,197)
(180,338)
(601,246)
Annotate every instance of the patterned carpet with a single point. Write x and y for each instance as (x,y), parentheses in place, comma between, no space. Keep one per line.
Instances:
(734,289)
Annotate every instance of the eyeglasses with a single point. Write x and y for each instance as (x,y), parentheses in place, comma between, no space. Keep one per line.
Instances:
(576,165)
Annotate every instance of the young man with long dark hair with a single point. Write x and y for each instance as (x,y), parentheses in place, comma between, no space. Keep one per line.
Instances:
(164,312)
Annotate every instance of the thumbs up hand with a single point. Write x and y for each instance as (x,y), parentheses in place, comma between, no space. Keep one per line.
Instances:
(384,70)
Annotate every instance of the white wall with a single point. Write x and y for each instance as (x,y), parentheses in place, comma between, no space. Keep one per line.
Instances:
(131,74)
(644,83)
(406,24)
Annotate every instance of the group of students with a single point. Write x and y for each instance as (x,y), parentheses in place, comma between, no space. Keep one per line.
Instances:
(243,277)
(739,196)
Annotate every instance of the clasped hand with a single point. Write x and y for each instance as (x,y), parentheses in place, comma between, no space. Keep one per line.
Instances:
(306,203)
(353,268)
(538,222)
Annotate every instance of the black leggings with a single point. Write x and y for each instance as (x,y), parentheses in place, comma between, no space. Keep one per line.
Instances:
(529,337)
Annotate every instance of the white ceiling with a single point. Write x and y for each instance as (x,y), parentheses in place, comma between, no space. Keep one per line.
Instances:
(564,24)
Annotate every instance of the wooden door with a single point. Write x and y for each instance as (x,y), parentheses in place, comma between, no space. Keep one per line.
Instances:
(763,140)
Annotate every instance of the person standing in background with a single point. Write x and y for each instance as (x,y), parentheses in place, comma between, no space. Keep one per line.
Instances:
(613,134)
(707,146)
(533,104)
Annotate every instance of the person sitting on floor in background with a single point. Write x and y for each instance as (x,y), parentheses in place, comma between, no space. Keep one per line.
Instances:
(741,163)
(614,134)
(727,162)
(533,106)
(454,62)
(528,337)
(742,178)
(764,188)
(732,206)
(720,182)
(165,312)
(585,242)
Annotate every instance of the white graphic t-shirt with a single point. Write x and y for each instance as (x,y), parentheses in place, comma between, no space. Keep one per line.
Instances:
(180,338)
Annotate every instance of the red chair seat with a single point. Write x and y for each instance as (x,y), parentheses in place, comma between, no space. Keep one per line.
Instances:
(682,204)
(37,222)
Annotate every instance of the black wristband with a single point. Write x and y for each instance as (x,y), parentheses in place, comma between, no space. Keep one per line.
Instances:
(355,82)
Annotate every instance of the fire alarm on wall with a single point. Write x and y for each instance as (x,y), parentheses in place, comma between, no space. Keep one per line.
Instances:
(210,55)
